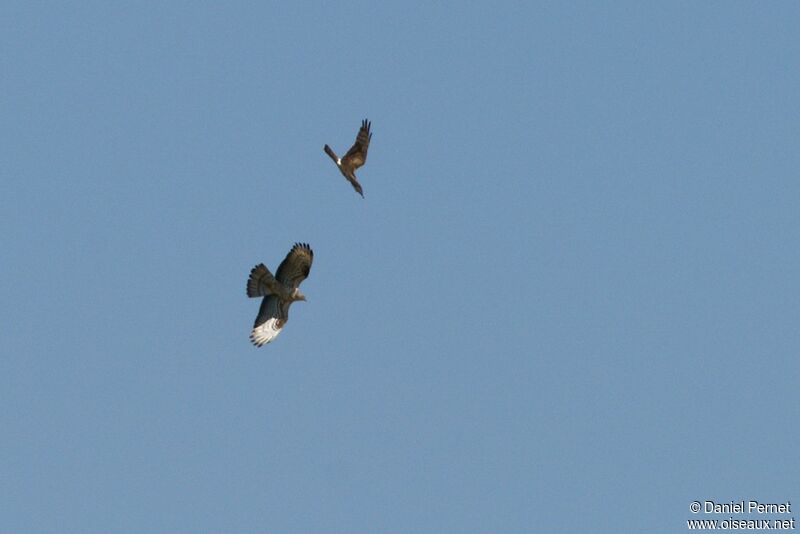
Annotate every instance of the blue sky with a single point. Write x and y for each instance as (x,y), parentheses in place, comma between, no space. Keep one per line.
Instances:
(567,303)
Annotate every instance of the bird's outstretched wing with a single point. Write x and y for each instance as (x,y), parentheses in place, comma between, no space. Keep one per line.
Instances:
(329,151)
(357,155)
(272,316)
(296,266)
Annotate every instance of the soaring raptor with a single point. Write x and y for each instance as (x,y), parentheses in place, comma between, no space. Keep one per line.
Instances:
(355,157)
(279,292)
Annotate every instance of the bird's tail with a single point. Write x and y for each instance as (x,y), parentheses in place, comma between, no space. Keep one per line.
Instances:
(261,282)
(331,153)
(357,186)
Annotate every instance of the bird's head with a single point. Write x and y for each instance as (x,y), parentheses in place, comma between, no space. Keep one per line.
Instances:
(299,296)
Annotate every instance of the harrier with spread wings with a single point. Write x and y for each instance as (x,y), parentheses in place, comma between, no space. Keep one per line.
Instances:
(279,292)
(355,157)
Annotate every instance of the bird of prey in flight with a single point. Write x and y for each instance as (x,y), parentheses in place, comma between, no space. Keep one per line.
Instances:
(355,157)
(279,292)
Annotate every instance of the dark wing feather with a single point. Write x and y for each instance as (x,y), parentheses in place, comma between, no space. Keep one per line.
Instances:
(272,316)
(357,155)
(296,266)
(270,309)
(329,151)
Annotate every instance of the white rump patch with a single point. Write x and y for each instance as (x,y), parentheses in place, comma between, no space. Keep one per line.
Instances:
(266,332)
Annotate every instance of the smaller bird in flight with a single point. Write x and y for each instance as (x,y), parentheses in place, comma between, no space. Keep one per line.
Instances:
(355,157)
(279,292)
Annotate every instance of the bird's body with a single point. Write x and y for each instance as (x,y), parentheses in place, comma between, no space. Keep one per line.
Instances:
(279,292)
(355,157)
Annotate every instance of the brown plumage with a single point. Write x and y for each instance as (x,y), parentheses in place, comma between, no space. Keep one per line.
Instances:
(355,157)
(279,292)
